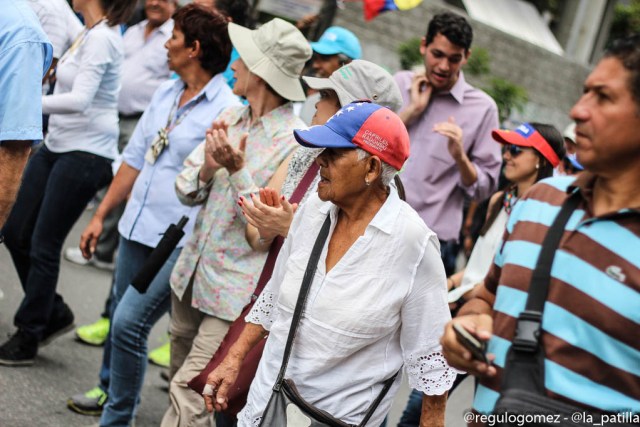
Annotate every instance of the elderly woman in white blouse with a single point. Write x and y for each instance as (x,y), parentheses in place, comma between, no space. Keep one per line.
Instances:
(377,301)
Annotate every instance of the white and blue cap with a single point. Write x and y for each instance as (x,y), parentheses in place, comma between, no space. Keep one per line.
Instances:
(361,124)
(337,40)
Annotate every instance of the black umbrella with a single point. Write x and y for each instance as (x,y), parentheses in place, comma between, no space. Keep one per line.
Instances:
(159,256)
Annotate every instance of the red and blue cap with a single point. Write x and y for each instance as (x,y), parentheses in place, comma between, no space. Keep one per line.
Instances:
(361,124)
(525,135)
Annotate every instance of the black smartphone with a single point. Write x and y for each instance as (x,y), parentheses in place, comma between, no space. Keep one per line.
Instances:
(477,348)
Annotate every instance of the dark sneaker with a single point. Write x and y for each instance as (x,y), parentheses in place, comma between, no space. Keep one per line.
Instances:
(89,403)
(60,325)
(20,350)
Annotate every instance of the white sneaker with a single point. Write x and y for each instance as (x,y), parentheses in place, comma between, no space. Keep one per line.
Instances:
(74,255)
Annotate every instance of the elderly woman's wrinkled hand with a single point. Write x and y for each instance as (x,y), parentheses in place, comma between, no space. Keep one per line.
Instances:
(221,151)
(218,383)
(480,325)
(271,214)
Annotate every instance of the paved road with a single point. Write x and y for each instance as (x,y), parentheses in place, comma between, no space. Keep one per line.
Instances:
(36,396)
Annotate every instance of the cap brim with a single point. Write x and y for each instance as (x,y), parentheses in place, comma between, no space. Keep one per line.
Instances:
(510,137)
(288,87)
(574,163)
(321,136)
(319,83)
(325,48)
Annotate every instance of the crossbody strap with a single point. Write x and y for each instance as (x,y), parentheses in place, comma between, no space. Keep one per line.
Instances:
(276,245)
(381,395)
(528,325)
(302,297)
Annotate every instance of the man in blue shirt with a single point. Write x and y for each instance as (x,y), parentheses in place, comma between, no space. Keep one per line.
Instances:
(25,55)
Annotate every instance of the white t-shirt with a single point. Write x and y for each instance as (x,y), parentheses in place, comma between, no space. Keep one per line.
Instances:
(381,307)
(84,104)
(58,21)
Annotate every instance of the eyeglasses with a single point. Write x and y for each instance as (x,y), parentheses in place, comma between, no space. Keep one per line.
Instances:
(514,150)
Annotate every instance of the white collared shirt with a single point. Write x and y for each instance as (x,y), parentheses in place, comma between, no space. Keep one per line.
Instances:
(382,306)
(144,67)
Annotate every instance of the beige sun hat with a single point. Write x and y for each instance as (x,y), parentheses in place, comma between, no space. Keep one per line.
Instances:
(276,52)
(361,79)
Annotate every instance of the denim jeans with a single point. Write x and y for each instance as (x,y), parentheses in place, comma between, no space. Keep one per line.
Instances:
(449,252)
(55,190)
(133,315)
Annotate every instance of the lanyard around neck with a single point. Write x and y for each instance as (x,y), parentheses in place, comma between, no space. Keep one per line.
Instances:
(79,41)
(174,118)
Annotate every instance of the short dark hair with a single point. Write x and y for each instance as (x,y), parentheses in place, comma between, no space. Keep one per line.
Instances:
(238,10)
(627,50)
(555,140)
(453,27)
(210,29)
(118,11)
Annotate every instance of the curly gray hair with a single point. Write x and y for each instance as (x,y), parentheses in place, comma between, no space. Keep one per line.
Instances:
(388,171)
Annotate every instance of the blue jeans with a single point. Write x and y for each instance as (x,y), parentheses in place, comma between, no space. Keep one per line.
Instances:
(55,190)
(132,317)
(449,252)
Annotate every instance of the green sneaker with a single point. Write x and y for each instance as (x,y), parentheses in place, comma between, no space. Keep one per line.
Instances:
(89,403)
(161,356)
(94,333)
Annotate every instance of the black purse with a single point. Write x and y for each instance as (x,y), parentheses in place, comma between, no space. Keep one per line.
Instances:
(286,407)
(523,398)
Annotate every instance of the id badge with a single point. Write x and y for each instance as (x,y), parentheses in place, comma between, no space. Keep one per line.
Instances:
(157,146)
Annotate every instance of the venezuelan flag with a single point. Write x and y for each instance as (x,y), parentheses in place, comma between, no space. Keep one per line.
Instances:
(373,8)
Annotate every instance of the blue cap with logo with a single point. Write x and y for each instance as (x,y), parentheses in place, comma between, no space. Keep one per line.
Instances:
(337,40)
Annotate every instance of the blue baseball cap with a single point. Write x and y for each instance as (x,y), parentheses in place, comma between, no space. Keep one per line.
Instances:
(361,124)
(337,40)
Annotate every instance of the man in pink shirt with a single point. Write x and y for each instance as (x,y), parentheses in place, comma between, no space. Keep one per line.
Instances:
(450,123)
(452,153)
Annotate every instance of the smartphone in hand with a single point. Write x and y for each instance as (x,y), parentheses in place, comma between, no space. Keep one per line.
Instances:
(477,348)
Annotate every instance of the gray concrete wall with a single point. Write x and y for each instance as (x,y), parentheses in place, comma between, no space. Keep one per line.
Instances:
(553,82)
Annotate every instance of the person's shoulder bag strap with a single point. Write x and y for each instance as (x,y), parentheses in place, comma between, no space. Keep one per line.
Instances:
(297,314)
(302,297)
(526,361)
(274,249)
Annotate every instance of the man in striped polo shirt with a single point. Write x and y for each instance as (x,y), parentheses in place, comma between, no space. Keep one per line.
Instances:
(591,316)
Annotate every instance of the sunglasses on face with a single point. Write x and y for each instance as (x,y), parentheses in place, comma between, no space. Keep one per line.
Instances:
(514,150)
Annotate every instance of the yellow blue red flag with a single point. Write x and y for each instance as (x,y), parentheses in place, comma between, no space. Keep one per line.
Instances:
(373,8)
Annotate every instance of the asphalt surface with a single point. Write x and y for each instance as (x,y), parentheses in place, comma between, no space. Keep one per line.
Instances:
(36,395)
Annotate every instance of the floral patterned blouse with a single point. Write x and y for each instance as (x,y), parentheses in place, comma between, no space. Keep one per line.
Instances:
(217,257)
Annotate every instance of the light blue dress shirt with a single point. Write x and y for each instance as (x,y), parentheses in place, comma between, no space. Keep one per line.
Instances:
(25,56)
(153,204)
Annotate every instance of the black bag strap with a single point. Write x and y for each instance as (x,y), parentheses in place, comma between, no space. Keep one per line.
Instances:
(297,314)
(528,326)
(302,297)
(381,395)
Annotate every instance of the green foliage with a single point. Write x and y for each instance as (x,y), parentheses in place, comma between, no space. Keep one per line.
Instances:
(478,64)
(508,96)
(409,52)
(626,20)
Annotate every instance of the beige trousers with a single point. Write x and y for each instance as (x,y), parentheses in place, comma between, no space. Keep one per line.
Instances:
(195,336)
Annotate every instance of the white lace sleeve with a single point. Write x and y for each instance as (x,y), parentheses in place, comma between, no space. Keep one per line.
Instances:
(430,373)
(264,311)
(245,419)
